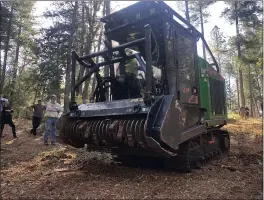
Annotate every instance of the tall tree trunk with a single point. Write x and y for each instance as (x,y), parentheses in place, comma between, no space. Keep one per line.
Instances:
(68,66)
(13,82)
(92,33)
(107,72)
(187,11)
(259,88)
(238,96)
(58,76)
(6,49)
(82,47)
(229,85)
(202,29)
(107,12)
(250,93)
(97,59)
(242,94)
(88,50)
(98,49)
(85,93)
(256,108)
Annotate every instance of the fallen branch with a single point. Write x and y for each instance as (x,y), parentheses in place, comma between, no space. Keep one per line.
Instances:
(231,168)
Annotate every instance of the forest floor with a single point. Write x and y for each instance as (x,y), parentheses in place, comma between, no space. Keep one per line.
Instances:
(31,170)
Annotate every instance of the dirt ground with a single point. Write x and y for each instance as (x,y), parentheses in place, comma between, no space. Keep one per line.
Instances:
(31,170)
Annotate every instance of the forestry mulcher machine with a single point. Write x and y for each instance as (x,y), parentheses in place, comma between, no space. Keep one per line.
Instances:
(157,98)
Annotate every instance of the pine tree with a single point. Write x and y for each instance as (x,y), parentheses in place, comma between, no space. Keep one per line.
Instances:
(245,15)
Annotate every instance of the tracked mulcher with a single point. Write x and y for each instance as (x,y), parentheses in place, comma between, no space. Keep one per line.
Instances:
(157,97)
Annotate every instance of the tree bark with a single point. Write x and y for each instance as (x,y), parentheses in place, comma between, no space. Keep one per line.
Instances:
(92,33)
(259,88)
(82,47)
(107,12)
(229,85)
(240,72)
(68,66)
(98,49)
(88,50)
(202,29)
(238,96)
(6,49)
(187,11)
(15,65)
(58,75)
(250,93)
(97,59)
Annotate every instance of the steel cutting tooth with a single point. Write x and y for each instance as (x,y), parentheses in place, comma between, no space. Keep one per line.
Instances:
(75,133)
(97,128)
(127,131)
(104,136)
(113,130)
(108,137)
(142,133)
(128,135)
(132,131)
(78,130)
(70,130)
(120,130)
(123,130)
(82,128)
(81,125)
(94,131)
(95,138)
(67,130)
(72,135)
(99,131)
(90,130)
(137,131)
(87,131)
(107,132)
(141,129)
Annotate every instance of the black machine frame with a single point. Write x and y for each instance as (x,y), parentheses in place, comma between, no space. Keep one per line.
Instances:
(167,16)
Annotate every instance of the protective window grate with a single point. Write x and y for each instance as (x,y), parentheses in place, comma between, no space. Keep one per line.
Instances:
(217,90)
(186,71)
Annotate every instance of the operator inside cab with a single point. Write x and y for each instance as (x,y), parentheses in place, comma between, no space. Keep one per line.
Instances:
(132,82)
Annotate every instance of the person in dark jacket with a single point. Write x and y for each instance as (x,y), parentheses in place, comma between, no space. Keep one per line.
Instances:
(7,119)
(37,116)
(2,100)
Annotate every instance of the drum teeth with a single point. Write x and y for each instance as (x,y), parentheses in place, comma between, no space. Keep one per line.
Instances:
(106,132)
(113,129)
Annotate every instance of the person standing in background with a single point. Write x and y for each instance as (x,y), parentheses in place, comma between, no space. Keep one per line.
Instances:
(2,101)
(53,110)
(37,116)
(7,119)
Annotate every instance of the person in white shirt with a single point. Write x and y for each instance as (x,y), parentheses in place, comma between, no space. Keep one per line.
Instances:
(53,110)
